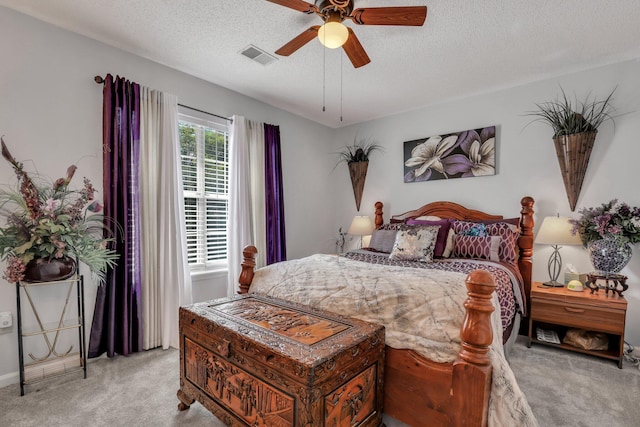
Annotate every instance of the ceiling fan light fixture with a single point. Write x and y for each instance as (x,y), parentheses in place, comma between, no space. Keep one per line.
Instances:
(333,34)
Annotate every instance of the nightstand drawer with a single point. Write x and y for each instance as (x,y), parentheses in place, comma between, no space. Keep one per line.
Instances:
(588,317)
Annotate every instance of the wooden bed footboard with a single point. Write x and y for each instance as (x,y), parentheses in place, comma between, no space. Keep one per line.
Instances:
(420,392)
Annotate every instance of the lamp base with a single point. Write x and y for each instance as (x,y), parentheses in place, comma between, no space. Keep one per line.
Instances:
(553,284)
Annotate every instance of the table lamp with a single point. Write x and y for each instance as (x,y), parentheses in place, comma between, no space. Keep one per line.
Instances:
(556,231)
(361,226)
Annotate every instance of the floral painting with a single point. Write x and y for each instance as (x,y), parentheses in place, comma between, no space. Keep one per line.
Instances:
(455,155)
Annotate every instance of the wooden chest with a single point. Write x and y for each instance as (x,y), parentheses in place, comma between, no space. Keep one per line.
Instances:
(260,361)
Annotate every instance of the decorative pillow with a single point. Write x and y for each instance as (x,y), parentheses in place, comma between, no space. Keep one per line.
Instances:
(415,244)
(383,240)
(448,248)
(441,240)
(476,247)
(512,221)
(509,235)
(506,230)
(477,230)
(392,226)
(427,218)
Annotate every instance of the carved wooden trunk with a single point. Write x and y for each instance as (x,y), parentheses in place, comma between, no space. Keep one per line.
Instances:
(260,361)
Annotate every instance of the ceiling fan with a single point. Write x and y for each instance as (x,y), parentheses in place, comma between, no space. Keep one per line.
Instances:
(334,34)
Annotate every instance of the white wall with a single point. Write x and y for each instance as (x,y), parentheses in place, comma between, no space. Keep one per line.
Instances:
(50,116)
(526,159)
(50,113)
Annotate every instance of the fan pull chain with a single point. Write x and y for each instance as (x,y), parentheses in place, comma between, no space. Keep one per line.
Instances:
(341,67)
(324,74)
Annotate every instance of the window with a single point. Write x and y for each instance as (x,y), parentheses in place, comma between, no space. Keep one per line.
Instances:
(205,174)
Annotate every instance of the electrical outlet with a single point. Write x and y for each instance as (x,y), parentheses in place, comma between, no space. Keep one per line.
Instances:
(6,320)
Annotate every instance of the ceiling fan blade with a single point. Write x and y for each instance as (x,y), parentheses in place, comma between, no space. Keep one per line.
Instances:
(405,15)
(298,5)
(355,51)
(303,38)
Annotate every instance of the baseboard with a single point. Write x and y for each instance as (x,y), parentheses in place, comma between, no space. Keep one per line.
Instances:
(10,378)
(14,377)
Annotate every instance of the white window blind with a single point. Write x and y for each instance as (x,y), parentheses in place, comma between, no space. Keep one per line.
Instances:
(205,172)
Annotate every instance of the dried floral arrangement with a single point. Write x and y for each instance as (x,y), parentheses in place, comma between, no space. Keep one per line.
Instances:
(45,219)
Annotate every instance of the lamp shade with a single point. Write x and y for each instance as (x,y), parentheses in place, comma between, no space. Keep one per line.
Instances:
(333,34)
(361,226)
(556,230)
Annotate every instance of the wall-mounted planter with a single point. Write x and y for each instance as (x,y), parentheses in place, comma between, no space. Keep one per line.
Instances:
(358,173)
(573,157)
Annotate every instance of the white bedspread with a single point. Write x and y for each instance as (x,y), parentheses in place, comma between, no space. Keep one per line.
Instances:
(420,309)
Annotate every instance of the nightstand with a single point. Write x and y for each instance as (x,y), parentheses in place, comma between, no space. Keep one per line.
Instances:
(558,309)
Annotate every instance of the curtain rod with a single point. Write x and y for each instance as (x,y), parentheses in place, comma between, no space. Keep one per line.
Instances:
(100,80)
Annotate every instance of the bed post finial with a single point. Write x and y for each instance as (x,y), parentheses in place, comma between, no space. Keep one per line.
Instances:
(476,334)
(472,369)
(248,266)
(525,245)
(379,220)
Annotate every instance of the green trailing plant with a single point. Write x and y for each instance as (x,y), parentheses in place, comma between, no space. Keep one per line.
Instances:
(45,219)
(569,116)
(359,151)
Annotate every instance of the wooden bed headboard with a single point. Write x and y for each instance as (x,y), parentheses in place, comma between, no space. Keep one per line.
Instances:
(456,211)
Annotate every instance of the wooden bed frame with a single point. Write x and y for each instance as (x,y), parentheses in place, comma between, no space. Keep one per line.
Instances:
(418,391)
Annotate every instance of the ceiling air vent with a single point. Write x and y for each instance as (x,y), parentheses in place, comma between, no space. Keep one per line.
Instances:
(258,55)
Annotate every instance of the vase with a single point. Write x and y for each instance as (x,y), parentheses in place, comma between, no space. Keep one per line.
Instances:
(49,270)
(609,255)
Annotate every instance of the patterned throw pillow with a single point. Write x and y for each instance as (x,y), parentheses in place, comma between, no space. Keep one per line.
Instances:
(508,233)
(441,240)
(476,247)
(415,244)
(392,226)
(477,230)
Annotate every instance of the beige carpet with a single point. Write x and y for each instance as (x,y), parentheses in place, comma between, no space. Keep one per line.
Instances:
(567,389)
(564,389)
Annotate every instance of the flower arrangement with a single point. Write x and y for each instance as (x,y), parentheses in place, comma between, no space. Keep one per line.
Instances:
(614,219)
(51,220)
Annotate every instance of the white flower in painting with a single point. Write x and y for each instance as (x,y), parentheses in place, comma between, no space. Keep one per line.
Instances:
(480,150)
(429,154)
(482,157)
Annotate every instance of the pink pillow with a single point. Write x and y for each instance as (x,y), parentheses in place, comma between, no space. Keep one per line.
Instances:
(441,240)
(476,247)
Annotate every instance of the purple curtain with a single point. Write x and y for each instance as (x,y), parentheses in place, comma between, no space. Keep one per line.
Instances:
(117,319)
(276,242)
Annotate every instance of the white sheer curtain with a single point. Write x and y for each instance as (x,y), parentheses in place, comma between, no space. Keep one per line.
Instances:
(247,220)
(166,280)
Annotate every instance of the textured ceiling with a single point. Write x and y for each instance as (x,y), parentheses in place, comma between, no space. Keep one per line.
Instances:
(466,47)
